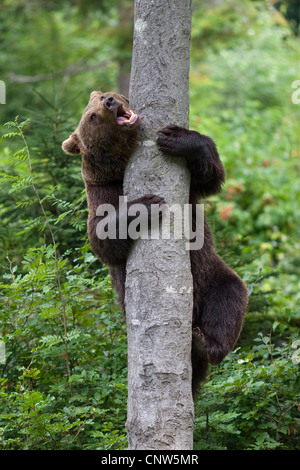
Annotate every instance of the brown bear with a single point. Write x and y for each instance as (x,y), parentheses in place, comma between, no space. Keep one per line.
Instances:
(106,136)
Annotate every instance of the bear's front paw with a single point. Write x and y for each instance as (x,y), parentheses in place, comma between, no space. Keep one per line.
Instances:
(148,200)
(174,140)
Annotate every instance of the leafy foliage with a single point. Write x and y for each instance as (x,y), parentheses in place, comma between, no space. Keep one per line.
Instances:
(65,366)
(63,383)
(251,403)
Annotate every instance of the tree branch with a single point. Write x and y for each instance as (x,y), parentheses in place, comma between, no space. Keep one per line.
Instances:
(73,69)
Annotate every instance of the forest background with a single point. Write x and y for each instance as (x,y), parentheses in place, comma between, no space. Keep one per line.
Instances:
(63,367)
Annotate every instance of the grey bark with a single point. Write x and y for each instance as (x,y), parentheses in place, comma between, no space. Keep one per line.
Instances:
(159,281)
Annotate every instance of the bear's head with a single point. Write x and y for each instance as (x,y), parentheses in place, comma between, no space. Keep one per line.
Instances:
(107,125)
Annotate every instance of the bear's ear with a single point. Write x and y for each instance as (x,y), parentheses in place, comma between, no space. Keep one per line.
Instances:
(71,145)
(94,94)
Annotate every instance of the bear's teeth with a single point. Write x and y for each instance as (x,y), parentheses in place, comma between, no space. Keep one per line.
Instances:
(133,117)
(123,119)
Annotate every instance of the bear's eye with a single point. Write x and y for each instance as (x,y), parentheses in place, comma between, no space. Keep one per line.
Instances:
(93,117)
(102,98)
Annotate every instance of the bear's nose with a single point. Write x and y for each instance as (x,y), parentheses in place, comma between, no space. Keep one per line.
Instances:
(110,103)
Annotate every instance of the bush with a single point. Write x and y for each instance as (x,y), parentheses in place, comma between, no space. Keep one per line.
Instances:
(63,383)
(252,401)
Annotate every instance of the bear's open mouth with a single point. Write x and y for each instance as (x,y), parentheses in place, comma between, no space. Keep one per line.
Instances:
(125,116)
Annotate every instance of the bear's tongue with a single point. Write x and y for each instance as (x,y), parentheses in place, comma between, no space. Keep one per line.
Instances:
(122,119)
(124,116)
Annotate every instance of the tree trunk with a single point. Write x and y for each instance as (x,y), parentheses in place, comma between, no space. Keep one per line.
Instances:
(159,281)
(124,31)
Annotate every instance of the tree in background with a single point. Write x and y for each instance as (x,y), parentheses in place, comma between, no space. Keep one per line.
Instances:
(244,58)
(291,10)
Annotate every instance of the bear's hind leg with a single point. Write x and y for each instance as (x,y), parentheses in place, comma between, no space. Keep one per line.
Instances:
(221,315)
(199,359)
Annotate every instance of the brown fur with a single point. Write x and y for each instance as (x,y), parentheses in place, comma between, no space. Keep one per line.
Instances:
(220,297)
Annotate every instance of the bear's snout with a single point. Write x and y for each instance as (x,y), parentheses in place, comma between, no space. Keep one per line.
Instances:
(110,103)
